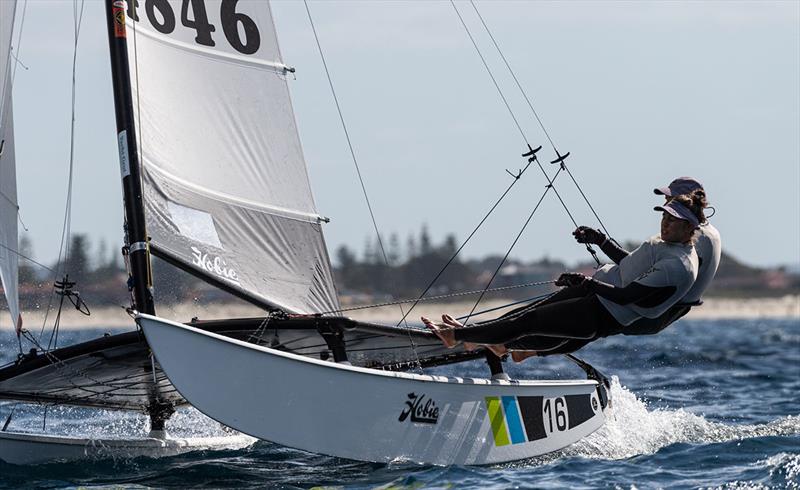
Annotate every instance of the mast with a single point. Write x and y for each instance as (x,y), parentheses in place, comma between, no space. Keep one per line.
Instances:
(136,239)
(135,231)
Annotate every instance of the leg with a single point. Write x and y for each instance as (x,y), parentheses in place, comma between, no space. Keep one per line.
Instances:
(577,318)
(445,332)
(560,295)
(532,346)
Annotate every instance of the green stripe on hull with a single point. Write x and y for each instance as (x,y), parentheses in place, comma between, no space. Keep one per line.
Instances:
(497,421)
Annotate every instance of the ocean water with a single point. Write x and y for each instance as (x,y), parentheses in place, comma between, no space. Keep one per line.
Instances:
(705,404)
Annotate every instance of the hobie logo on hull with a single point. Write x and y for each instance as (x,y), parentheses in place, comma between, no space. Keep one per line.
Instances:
(214,264)
(420,409)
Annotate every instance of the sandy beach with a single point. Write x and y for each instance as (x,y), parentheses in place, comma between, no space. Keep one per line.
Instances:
(116,317)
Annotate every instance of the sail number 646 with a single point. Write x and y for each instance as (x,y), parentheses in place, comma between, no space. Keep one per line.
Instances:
(162,18)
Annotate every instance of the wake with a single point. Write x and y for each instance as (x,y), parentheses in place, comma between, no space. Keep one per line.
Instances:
(631,429)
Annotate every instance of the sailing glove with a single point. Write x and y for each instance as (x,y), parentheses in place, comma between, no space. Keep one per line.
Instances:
(584,234)
(571,279)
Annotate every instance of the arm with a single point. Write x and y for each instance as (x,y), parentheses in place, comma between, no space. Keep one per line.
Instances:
(634,292)
(584,234)
(614,252)
(642,295)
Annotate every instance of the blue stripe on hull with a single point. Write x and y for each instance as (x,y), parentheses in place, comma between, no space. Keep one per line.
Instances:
(512,419)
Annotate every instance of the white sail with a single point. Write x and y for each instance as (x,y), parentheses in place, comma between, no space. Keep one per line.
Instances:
(8,172)
(225,182)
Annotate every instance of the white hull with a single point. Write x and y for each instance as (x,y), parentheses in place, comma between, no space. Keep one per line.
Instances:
(363,414)
(23,448)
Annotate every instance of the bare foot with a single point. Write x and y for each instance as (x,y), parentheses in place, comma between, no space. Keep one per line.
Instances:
(447,335)
(521,355)
(452,322)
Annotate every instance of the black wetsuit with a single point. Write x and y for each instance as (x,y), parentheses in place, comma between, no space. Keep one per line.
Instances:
(545,346)
(572,313)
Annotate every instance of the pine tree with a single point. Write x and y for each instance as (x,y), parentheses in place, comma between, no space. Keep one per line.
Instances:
(27,273)
(411,248)
(425,246)
(345,258)
(77,264)
(394,249)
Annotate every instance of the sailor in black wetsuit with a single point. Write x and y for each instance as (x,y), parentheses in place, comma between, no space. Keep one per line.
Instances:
(708,246)
(645,283)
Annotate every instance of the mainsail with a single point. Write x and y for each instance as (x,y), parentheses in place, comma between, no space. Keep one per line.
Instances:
(226,190)
(8,171)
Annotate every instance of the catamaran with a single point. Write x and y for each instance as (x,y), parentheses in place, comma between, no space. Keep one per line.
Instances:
(215,183)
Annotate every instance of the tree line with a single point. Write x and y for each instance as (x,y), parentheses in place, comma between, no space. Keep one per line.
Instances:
(384,269)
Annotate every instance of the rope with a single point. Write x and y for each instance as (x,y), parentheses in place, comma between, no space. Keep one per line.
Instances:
(352,153)
(508,252)
(77,17)
(536,115)
(62,366)
(21,255)
(516,177)
(464,243)
(255,337)
(534,301)
(513,116)
(489,71)
(429,298)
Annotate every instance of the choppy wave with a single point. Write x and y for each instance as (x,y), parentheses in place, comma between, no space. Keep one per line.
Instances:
(109,424)
(703,405)
(632,429)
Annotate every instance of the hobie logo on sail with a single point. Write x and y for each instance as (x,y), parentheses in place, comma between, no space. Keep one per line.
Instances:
(214,264)
(420,409)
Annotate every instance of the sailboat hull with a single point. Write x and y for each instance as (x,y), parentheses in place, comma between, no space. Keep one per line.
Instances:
(24,448)
(367,414)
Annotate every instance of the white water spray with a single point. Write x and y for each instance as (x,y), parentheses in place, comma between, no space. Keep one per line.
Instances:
(632,429)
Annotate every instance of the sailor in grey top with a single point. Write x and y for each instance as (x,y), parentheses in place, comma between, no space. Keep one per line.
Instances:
(708,247)
(707,241)
(645,284)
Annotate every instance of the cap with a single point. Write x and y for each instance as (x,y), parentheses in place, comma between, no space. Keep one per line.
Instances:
(681,185)
(679,211)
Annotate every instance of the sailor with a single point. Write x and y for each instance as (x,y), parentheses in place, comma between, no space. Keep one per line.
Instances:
(708,247)
(644,284)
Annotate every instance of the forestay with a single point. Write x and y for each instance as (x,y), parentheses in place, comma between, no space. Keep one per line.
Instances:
(226,188)
(8,172)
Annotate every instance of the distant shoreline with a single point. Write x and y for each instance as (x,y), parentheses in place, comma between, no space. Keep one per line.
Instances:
(116,318)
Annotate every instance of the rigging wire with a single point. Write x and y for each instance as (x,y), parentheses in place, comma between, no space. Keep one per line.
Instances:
(508,106)
(77,18)
(19,43)
(353,154)
(550,181)
(560,158)
(440,296)
(21,255)
(508,252)
(536,115)
(489,71)
(516,177)
(464,243)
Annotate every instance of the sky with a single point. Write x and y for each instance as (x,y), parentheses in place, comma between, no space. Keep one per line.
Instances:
(638,92)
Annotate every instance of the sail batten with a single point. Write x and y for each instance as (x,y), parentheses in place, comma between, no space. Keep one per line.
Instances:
(254,205)
(226,190)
